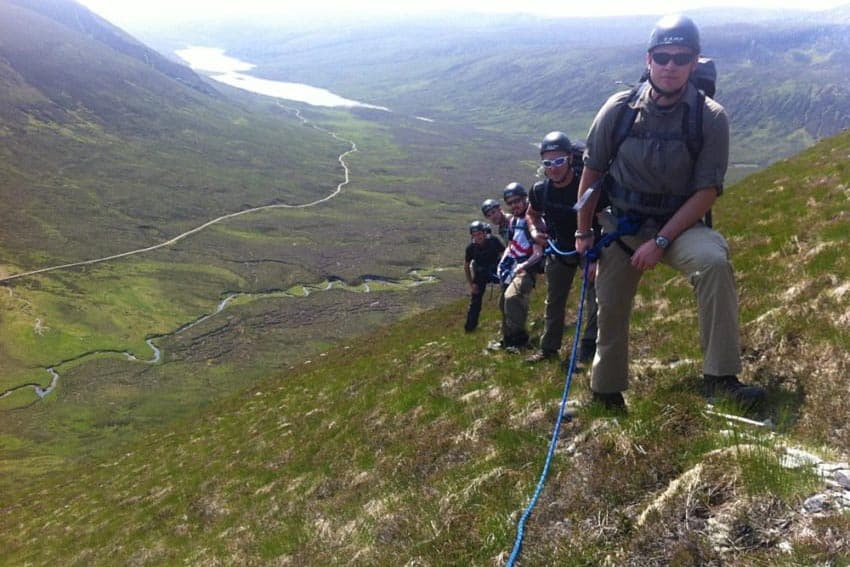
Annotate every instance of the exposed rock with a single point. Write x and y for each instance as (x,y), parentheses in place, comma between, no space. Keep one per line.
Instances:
(797,458)
(843,478)
(818,504)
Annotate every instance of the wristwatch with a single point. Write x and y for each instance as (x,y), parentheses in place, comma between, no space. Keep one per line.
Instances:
(662,242)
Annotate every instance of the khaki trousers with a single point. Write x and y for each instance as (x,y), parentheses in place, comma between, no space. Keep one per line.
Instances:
(515,302)
(702,255)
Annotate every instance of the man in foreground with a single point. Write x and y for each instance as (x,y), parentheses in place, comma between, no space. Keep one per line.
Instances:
(656,178)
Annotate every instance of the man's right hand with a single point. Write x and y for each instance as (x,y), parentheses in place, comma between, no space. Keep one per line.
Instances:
(583,245)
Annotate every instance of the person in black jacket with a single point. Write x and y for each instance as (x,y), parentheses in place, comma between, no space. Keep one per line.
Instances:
(552,200)
(482,259)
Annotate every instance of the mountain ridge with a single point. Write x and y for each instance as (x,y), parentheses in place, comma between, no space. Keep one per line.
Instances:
(90,129)
(78,18)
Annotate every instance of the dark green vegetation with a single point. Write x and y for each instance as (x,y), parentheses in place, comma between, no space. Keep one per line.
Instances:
(415,446)
(782,77)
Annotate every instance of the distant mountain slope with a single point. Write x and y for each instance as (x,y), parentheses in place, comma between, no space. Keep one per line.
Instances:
(783,80)
(106,145)
(82,80)
(82,20)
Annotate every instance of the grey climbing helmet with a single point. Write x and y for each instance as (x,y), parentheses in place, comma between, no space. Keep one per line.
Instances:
(675,30)
(488,205)
(514,190)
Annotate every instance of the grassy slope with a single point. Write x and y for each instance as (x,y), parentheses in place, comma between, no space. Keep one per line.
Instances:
(413,446)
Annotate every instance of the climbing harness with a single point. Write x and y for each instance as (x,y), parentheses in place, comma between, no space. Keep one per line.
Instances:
(626,225)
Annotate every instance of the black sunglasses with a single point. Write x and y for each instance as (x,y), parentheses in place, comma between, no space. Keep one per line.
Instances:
(662,58)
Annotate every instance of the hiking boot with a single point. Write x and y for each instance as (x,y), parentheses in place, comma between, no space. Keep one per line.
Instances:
(613,402)
(748,397)
(518,341)
(540,356)
(586,351)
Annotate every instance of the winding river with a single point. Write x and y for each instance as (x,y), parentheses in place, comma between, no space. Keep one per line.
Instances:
(415,278)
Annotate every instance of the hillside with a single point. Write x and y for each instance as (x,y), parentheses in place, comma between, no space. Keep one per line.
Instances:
(782,77)
(412,445)
(102,150)
(77,18)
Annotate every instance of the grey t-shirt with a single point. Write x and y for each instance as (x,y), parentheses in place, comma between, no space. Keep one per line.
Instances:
(656,165)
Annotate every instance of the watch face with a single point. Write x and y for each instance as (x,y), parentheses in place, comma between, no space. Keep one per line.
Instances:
(661,242)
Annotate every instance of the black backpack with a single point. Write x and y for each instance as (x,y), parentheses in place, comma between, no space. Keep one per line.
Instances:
(577,157)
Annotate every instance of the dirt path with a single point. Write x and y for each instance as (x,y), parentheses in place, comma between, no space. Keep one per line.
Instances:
(179,237)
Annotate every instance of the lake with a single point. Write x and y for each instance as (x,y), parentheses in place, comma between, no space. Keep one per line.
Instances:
(231,71)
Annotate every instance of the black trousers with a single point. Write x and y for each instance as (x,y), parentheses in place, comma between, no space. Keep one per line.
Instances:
(475,300)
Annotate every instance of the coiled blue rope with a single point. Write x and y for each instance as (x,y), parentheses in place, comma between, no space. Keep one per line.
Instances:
(626,225)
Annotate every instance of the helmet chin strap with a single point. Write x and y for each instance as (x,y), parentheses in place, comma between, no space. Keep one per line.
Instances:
(662,92)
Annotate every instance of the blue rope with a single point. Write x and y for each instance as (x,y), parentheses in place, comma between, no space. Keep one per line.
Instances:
(626,225)
(552,248)
(520,530)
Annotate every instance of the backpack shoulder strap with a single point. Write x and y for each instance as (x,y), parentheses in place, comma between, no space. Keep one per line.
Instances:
(626,118)
(692,126)
(545,196)
(691,122)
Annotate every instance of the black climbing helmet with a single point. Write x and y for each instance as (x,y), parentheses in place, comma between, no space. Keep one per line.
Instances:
(556,141)
(488,206)
(675,30)
(477,226)
(514,190)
